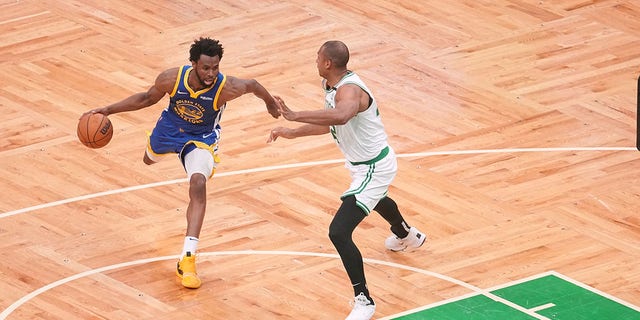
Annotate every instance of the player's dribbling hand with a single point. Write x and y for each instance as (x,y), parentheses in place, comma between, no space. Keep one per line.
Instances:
(102,110)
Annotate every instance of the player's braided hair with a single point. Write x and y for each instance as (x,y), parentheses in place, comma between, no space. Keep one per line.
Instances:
(207,46)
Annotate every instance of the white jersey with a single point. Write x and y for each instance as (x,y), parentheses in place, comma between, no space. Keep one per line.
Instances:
(362,139)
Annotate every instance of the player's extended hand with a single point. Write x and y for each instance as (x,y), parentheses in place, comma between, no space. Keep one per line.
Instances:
(284,110)
(279,132)
(273,109)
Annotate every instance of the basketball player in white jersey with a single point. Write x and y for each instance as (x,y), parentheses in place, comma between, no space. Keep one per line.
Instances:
(351,116)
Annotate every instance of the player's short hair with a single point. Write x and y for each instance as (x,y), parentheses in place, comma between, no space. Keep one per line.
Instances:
(337,52)
(207,46)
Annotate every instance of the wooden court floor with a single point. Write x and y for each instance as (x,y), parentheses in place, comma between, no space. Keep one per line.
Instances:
(514,122)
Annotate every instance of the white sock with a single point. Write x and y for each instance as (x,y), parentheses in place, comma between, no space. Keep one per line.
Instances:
(190,245)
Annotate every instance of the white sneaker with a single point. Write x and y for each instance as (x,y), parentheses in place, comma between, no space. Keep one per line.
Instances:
(363,309)
(413,240)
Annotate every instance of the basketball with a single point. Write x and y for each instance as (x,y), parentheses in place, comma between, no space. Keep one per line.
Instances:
(94,130)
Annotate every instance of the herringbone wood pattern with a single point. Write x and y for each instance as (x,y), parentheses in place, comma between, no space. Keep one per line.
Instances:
(449,76)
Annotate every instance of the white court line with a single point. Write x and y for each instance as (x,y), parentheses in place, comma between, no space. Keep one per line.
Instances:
(35,293)
(161,183)
(543,307)
(60,282)
(304,164)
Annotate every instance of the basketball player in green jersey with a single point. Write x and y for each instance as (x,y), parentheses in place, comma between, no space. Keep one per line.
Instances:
(351,116)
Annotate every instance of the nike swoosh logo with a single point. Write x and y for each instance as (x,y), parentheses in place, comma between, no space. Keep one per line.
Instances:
(207,135)
(181,92)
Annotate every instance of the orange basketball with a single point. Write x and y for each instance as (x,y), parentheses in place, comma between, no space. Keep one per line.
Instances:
(94,130)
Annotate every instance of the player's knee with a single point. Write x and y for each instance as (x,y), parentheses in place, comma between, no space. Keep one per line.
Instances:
(345,221)
(197,187)
(338,236)
(339,233)
(197,181)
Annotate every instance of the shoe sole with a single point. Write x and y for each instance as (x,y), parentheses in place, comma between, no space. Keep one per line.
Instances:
(397,250)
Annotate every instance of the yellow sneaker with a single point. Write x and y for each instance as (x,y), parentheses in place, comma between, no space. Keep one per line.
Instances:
(186,270)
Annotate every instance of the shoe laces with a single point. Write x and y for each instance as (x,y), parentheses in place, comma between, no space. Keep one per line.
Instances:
(190,255)
(401,241)
(188,264)
(360,300)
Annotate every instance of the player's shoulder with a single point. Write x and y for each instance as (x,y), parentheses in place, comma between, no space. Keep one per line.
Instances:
(231,79)
(233,82)
(168,77)
(170,73)
(352,77)
(166,80)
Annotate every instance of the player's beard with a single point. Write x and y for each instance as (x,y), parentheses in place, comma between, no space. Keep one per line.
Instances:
(202,83)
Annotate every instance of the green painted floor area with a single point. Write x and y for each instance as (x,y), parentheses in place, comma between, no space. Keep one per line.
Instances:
(474,308)
(558,299)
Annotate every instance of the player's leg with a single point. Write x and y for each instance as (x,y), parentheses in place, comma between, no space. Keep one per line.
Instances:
(154,142)
(148,159)
(404,236)
(341,230)
(347,218)
(388,209)
(373,194)
(363,194)
(199,165)
(197,204)
(161,142)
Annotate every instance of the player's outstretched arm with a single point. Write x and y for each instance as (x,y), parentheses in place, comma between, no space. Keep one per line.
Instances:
(345,109)
(236,87)
(292,133)
(163,85)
